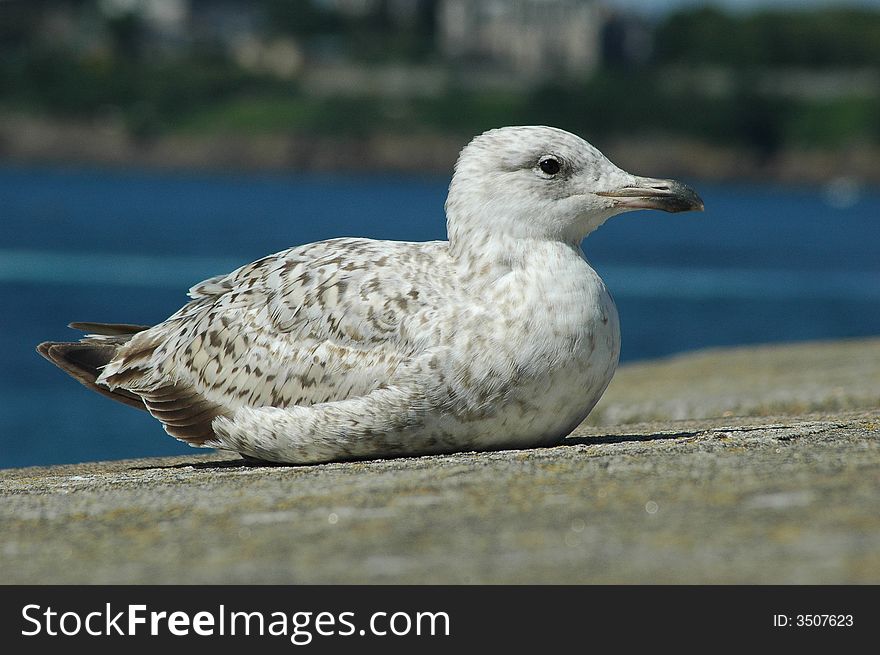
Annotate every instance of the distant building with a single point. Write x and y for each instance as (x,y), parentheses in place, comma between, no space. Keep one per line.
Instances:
(525,37)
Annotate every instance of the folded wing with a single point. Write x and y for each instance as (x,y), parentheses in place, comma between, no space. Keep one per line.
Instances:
(319,323)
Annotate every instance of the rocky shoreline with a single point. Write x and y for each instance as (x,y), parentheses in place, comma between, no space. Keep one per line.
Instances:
(32,140)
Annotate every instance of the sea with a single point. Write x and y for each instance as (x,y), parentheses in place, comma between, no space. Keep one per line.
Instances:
(762,264)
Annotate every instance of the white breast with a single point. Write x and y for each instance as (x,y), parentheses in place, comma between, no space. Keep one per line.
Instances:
(573,329)
(558,328)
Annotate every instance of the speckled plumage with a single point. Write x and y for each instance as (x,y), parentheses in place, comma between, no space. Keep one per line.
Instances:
(503,336)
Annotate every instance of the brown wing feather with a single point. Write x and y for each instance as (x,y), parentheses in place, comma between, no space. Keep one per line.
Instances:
(184,413)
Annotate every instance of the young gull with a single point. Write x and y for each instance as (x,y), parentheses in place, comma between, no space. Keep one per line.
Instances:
(501,337)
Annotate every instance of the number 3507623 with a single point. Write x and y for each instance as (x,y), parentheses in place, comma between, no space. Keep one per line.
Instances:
(831,620)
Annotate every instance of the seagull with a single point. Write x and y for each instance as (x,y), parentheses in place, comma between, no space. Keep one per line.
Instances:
(503,336)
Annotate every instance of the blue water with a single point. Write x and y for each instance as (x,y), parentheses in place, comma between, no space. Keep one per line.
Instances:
(762,264)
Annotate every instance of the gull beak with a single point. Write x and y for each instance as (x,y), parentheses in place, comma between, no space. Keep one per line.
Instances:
(650,193)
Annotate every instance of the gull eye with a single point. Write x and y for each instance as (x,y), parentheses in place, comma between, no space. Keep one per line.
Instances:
(550,165)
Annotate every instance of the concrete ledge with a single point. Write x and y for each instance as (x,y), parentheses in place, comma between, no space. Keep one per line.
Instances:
(759,381)
(785,498)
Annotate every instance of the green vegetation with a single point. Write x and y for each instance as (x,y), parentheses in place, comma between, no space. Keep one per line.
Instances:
(832,37)
(372,37)
(200,89)
(149,95)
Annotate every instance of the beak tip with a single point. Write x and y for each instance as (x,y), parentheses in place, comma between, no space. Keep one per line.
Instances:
(686,199)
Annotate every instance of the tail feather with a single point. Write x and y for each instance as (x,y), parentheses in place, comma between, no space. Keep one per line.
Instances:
(109,329)
(183,410)
(83,361)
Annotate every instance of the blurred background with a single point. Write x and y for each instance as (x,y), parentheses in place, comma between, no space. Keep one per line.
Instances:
(148,144)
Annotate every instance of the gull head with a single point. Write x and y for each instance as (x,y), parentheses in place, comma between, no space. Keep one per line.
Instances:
(538,182)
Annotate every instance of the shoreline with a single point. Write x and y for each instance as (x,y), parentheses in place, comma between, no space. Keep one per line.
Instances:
(27,140)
